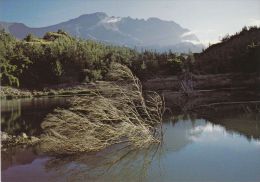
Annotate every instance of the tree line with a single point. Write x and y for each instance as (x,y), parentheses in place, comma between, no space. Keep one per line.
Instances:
(60,58)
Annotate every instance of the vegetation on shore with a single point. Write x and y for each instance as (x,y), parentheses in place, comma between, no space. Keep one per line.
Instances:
(58,58)
(8,92)
(9,140)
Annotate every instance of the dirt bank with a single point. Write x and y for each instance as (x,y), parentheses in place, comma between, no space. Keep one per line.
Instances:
(204,82)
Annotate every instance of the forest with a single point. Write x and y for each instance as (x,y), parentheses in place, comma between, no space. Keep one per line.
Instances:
(59,58)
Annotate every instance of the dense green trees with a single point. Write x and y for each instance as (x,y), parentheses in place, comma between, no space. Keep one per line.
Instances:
(59,58)
(151,64)
(12,59)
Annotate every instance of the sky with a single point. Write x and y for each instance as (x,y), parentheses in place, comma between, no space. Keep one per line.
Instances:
(210,20)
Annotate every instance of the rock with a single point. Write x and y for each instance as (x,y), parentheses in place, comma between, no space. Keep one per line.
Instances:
(23,139)
(5,137)
(34,139)
(24,135)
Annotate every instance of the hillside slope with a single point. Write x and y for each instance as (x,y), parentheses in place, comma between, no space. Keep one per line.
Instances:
(236,53)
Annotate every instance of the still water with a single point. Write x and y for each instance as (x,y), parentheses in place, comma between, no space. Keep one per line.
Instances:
(25,115)
(215,147)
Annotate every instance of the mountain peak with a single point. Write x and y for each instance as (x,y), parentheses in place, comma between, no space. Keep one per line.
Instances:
(100,15)
(154,19)
(152,32)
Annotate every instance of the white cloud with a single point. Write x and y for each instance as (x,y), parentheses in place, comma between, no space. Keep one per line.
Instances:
(193,42)
(188,33)
(209,133)
(257,143)
(206,31)
(204,42)
(113,20)
(208,128)
(206,36)
(254,22)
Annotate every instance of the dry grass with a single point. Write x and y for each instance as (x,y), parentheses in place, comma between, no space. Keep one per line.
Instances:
(118,112)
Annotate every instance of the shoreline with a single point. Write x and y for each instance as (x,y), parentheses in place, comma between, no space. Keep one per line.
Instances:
(175,84)
(8,92)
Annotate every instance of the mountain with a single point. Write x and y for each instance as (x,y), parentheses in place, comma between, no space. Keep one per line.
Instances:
(152,33)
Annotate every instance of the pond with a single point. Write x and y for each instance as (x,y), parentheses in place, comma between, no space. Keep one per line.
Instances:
(220,144)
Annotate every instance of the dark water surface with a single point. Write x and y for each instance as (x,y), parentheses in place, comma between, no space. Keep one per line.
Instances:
(25,115)
(220,144)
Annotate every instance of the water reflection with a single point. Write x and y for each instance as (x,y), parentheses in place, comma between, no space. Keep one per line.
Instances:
(192,150)
(19,155)
(240,118)
(25,115)
(225,149)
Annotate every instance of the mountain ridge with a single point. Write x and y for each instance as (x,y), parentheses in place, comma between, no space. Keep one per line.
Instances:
(124,31)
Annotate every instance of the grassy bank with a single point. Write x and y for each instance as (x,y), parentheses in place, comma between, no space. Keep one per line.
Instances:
(15,93)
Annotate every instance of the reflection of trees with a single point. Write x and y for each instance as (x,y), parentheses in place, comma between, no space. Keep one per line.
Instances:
(117,163)
(181,131)
(25,115)
(11,112)
(18,155)
(121,163)
(240,118)
(113,164)
(247,125)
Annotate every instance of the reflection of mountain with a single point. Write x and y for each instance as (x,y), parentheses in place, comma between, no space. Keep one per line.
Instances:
(245,124)
(10,112)
(151,33)
(243,118)
(234,110)
(17,156)
(180,134)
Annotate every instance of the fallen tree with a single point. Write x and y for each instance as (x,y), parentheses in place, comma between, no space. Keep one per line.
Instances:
(118,112)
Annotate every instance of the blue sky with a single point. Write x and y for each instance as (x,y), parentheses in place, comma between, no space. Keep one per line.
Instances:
(208,19)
